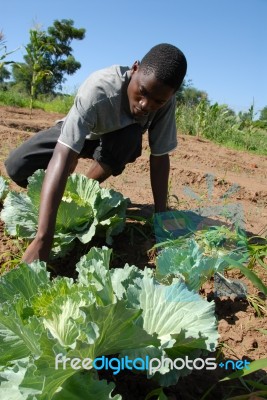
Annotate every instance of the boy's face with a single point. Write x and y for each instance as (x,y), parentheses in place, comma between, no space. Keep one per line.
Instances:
(146,93)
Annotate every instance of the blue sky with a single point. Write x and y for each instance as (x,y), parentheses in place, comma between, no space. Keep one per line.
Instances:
(224,41)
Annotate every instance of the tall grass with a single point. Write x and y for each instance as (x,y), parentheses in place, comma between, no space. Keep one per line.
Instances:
(13,98)
(219,124)
(60,104)
(214,122)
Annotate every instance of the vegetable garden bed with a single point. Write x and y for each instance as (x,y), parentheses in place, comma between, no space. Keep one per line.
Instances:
(239,322)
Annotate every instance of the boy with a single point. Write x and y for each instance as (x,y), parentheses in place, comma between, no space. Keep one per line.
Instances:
(111,111)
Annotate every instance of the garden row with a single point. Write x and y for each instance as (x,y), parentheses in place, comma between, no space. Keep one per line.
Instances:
(52,331)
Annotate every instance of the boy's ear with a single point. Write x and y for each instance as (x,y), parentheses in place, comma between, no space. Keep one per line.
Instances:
(135,66)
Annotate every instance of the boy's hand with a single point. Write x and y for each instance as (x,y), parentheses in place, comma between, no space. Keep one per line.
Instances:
(37,250)
(61,164)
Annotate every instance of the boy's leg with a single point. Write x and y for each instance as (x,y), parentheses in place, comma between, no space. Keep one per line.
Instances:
(113,152)
(99,171)
(33,154)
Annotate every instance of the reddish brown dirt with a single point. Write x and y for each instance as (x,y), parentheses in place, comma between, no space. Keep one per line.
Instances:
(238,324)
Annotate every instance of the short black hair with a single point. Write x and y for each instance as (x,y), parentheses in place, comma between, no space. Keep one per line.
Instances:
(167,62)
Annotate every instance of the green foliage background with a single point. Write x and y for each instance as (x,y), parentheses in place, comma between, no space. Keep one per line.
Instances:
(36,84)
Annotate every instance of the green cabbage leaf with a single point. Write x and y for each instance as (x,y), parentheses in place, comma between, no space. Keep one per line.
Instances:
(105,311)
(191,263)
(86,210)
(4,188)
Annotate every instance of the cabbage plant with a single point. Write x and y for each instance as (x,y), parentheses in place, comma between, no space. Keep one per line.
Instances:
(104,312)
(193,264)
(4,187)
(86,210)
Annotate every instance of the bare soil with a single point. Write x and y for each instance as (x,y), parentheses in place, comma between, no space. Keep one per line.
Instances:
(239,325)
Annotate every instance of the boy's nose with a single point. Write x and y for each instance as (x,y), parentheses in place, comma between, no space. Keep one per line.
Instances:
(143,105)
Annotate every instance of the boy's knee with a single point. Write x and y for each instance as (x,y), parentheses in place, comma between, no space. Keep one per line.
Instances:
(15,171)
(35,153)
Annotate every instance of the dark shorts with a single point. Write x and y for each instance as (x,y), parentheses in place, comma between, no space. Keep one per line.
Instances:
(115,149)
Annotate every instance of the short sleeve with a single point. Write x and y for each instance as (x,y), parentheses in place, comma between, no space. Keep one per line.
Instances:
(77,125)
(162,132)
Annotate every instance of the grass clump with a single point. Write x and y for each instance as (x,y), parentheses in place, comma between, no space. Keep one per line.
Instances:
(53,103)
(221,125)
(13,98)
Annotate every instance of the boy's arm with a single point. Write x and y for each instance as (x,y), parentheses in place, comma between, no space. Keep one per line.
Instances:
(159,177)
(59,167)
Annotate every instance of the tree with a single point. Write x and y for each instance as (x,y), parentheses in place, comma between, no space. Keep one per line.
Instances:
(56,58)
(247,117)
(36,53)
(193,96)
(263,114)
(180,92)
(187,94)
(4,72)
(22,74)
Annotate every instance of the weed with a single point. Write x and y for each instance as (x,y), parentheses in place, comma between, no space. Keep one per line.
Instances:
(257,251)
(139,225)
(10,258)
(258,304)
